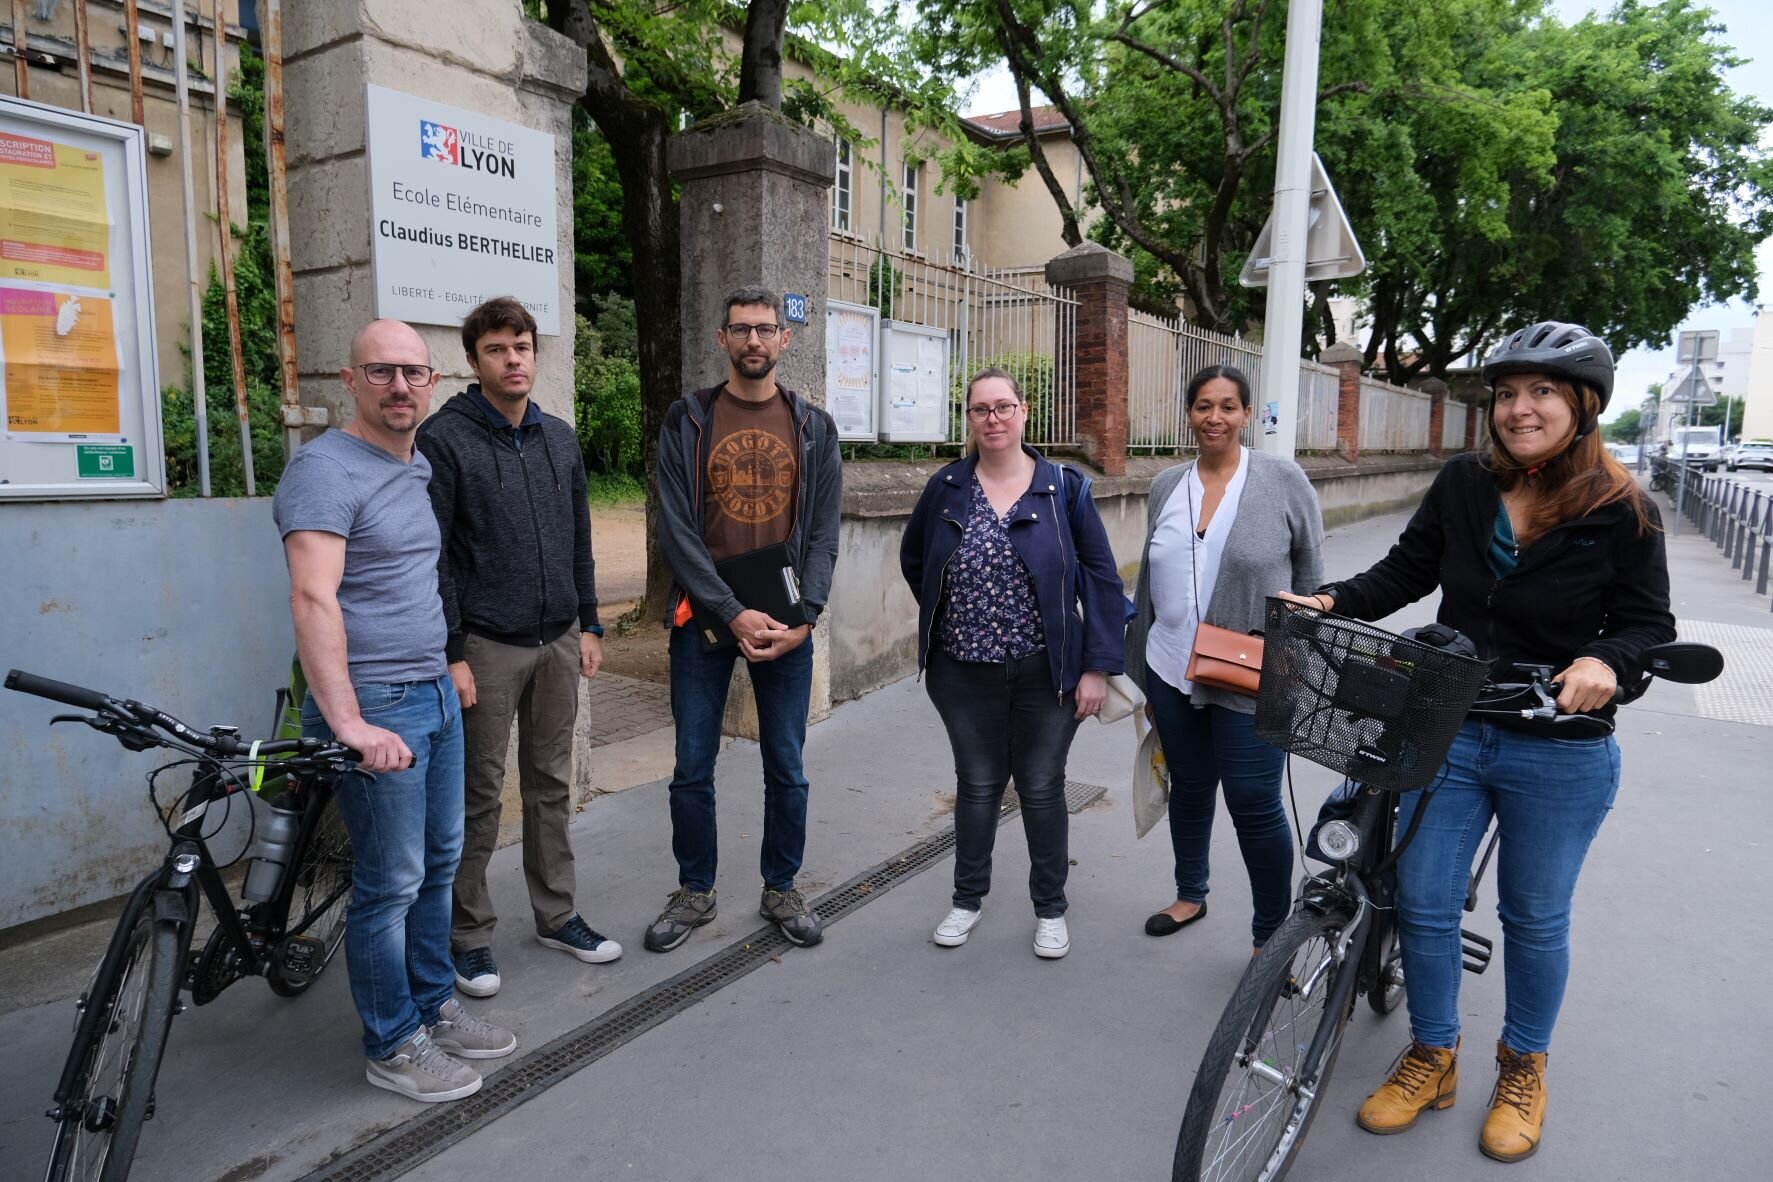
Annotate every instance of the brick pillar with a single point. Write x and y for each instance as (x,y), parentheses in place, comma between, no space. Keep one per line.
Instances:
(1437,412)
(1474,410)
(1347,360)
(1098,279)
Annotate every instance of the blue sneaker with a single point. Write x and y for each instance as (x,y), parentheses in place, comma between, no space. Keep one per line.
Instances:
(476,974)
(577,937)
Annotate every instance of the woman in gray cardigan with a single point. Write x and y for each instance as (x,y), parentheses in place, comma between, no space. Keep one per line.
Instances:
(1222,533)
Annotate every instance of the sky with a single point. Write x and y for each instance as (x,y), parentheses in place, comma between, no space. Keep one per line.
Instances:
(1750,31)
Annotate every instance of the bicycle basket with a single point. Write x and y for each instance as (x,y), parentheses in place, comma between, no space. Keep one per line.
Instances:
(1360,700)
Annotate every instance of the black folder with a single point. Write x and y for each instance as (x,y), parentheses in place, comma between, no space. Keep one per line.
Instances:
(762,580)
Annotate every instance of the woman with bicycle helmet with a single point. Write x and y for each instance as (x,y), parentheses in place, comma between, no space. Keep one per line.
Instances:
(1545,552)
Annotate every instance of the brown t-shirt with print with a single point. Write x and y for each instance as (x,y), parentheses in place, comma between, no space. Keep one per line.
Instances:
(753,474)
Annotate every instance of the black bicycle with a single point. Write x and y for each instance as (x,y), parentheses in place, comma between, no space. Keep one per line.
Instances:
(286,928)
(1382,710)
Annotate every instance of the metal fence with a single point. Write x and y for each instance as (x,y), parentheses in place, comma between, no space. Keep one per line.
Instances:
(1163,353)
(1737,517)
(1393,418)
(1004,317)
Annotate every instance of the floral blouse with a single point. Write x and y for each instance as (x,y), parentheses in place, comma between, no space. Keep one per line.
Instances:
(989,610)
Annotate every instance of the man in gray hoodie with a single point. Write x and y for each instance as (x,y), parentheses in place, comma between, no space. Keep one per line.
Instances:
(516,577)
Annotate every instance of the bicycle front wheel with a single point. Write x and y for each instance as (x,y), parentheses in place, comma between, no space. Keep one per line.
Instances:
(319,895)
(1258,1083)
(96,1139)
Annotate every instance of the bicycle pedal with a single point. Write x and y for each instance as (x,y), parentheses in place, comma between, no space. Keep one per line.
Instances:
(1477,949)
(299,959)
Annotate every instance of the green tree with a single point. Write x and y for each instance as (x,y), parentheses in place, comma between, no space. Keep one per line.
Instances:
(1726,412)
(1625,428)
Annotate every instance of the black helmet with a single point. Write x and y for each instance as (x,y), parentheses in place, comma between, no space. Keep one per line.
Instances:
(1567,351)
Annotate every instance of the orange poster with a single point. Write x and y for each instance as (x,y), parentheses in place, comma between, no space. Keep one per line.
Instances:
(55,225)
(59,375)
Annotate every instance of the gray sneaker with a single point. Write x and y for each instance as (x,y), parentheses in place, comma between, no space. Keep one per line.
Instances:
(467,1037)
(687,911)
(420,1070)
(789,912)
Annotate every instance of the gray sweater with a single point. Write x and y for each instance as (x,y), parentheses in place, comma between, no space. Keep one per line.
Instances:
(1275,544)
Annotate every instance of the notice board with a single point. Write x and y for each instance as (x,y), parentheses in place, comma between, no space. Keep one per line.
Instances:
(851,331)
(913,383)
(79,379)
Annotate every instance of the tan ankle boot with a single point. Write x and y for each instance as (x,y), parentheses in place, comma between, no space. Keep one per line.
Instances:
(1423,1077)
(1517,1106)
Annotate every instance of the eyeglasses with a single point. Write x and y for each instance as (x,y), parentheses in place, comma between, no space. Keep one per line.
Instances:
(765,332)
(380,373)
(1002,410)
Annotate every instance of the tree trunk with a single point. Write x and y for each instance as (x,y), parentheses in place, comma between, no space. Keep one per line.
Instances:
(760,68)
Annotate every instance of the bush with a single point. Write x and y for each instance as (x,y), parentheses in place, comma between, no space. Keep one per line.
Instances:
(1034,372)
(606,405)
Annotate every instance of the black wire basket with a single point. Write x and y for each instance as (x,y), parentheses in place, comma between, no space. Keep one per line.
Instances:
(1360,700)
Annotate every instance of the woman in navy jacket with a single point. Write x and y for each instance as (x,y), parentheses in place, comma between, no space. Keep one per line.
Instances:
(1002,548)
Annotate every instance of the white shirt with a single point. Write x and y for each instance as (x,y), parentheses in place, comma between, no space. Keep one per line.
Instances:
(1179,560)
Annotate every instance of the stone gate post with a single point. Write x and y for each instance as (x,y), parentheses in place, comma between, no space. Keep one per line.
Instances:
(1099,279)
(1347,360)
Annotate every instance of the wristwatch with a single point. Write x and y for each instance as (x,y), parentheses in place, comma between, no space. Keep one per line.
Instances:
(594,629)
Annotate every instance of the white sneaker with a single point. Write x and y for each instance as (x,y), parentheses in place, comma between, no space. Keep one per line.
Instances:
(953,931)
(420,1070)
(1050,938)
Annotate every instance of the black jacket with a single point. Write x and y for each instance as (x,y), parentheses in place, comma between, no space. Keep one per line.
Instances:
(516,565)
(1592,587)
(684,444)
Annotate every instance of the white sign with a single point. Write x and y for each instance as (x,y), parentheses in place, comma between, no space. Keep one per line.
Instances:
(1331,249)
(913,383)
(462,209)
(850,331)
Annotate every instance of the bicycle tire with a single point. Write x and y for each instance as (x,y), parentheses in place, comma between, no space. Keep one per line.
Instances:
(320,894)
(1227,1090)
(137,1032)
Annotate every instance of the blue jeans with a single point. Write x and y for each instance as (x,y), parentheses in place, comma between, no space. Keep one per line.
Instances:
(1003,720)
(1205,747)
(1549,797)
(782,687)
(406,835)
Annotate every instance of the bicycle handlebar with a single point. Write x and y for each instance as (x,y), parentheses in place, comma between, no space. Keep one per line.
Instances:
(141,716)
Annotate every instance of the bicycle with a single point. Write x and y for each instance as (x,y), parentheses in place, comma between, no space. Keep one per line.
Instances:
(286,928)
(1383,710)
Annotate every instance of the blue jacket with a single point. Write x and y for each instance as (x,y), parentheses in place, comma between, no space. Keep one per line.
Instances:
(1043,539)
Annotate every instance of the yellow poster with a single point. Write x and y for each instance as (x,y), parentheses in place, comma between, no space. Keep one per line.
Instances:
(55,226)
(59,374)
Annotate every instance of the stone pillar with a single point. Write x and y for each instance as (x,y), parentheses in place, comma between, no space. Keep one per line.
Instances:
(1098,278)
(1347,360)
(1437,413)
(484,57)
(755,210)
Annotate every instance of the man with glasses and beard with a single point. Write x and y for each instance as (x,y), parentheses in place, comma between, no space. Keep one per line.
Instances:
(743,466)
(362,547)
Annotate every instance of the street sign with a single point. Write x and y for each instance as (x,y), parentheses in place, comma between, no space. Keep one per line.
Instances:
(1331,249)
(1694,388)
(1700,345)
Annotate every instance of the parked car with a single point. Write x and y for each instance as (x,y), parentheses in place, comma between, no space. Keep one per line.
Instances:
(1755,453)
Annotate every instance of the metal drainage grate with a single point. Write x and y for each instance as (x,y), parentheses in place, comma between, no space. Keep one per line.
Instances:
(406,1145)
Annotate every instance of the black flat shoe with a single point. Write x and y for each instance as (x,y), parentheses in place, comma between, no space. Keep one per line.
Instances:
(1162,925)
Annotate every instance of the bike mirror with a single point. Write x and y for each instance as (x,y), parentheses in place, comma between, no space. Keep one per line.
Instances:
(1684,661)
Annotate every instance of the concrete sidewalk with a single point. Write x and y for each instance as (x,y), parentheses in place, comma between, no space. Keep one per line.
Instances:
(879,1055)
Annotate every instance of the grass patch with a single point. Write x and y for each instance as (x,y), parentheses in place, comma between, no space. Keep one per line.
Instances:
(613,488)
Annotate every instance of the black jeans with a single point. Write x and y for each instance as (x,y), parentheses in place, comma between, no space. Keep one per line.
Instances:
(1005,719)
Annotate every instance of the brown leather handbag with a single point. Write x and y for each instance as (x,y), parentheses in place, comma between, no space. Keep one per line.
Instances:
(1227,660)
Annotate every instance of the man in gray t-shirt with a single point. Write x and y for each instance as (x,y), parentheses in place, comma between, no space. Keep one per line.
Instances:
(362,545)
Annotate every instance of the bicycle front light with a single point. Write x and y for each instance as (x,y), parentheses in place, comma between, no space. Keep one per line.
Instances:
(1339,840)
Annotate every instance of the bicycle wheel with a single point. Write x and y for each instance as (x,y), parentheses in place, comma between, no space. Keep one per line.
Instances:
(1387,992)
(96,1140)
(1248,1113)
(319,896)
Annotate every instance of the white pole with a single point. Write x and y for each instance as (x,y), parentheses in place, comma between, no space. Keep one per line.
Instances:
(200,406)
(1285,319)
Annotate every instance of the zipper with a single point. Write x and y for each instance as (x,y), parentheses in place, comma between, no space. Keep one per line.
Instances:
(1065,599)
(541,556)
(941,587)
